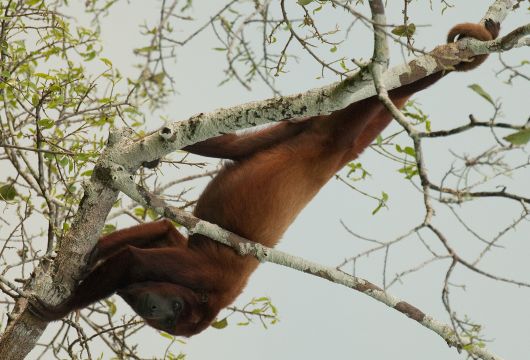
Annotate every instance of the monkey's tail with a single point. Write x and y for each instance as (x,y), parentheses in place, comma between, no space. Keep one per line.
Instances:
(488,31)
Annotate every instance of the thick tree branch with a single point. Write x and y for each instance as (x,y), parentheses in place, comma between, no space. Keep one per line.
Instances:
(245,247)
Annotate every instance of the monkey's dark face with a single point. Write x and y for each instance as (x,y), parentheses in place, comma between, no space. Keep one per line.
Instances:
(168,307)
(162,310)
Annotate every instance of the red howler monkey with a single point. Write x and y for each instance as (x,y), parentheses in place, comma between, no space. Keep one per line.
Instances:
(179,285)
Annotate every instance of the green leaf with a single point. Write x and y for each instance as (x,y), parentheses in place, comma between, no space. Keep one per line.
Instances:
(144,50)
(44,76)
(152,214)
(479,90)
(221,324)
(111,306)
(403,30)
(7,192)
(46,123)
(108,228)
(106,61)
(409,170)
(166,335)
(382,203)
(333,49)
(410,151)
(63,161)
(343,65)
(32,2)
(521,137)
(158,78)
(35,99)
(261,299)
(139,211)
(90,55)
(304,2)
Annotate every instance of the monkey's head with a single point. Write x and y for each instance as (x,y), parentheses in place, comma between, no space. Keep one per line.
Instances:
(169,307)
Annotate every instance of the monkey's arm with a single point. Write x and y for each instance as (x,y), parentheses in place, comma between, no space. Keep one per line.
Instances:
(132,265)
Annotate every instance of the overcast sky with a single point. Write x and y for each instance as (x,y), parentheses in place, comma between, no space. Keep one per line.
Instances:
(321,320)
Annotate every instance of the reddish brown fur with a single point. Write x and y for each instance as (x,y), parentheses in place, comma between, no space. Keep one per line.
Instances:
(489,31)
(275,172)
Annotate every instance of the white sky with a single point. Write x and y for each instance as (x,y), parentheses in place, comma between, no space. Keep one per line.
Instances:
(322,320)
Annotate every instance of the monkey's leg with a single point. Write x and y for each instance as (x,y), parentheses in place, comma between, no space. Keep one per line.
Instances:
(239,146)
(149,235)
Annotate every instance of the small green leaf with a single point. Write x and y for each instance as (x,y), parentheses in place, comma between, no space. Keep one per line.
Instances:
(158,78)
(428,125)
(35,100)
(221,324)
(144,50)
(44,76)
(112,307)
(479,90)
(382,203)
(63,161)
(139,211)
(166,335)
(7,192)
(151,214)
(333,49)
(410,151)
(32,2)
(410,171)
(304,2)
(403,30)
(46,123)
(90,55)
(108,228)
(521,137)
(106,61)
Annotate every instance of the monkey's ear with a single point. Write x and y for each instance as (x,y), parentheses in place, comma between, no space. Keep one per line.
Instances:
(151,164)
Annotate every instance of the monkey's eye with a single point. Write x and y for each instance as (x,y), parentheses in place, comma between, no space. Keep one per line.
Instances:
(177,306)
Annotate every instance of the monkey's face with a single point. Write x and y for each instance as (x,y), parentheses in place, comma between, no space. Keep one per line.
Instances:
(172,308)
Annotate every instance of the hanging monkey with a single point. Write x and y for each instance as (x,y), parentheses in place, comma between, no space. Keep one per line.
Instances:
(179,285)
